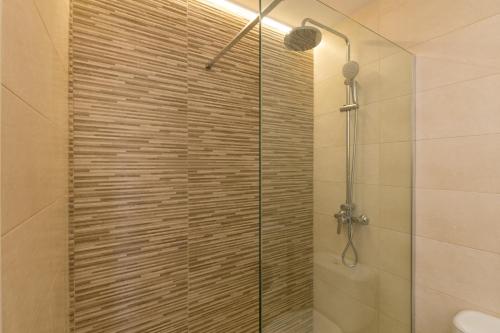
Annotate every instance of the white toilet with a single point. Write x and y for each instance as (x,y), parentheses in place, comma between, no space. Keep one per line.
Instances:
(475,322)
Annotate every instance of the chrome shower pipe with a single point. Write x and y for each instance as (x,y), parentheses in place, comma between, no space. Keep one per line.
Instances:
(333,31)
(346,214)
(351,104)
(348,150)
(246,29)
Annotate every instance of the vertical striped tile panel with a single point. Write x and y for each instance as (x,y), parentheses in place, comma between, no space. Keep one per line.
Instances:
(223,157)
(287,177)
(165,172)
(129,158)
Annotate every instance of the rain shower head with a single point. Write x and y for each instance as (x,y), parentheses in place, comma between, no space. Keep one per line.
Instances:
(303,38)
(308,36)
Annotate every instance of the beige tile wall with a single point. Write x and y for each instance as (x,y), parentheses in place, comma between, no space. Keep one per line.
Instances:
(376,296)
(458,149)
(34,166)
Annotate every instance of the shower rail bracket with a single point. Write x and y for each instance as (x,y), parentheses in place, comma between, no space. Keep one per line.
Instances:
(245,30)
(349,107)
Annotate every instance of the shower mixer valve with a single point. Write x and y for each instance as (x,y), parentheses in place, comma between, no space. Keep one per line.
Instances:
(344,216)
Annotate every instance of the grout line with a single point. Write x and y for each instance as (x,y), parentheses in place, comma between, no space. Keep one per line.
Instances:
(371,266)
(412,46)
(372,103)
(455,244)
(370,225)
(454,190)
(391,316)
(350,17)
(420,285)
(448,190)
(345,292)
(456,137)
(30,106)
(365,144)
(31,217)
(52,42)
(342,182)
(481,77)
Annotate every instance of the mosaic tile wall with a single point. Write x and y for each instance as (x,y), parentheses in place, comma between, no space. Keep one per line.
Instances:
(287,187)
(129,216)
(164,209)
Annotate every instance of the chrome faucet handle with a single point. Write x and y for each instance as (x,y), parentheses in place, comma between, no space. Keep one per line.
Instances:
(341,217)
(339,227)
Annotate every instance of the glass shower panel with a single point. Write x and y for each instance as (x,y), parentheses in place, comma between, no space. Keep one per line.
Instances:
(321,187)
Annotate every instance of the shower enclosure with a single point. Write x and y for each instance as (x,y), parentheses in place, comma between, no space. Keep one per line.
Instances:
(238,167)
(336,175)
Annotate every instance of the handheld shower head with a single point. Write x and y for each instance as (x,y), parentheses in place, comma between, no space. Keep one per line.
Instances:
(350,70)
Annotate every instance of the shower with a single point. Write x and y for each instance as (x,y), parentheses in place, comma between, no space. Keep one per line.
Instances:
(307,37)
(218,158)
(303,38)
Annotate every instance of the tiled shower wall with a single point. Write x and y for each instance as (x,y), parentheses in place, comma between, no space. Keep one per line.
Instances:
(457,150)
(34,179)
(376,296)
(165,170)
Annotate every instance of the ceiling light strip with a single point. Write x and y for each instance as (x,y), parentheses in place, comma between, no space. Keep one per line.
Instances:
(248,14)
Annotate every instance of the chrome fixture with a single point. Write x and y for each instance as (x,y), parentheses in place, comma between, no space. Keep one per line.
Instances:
(346,214)
(305,38)
(297,39)
(246,29)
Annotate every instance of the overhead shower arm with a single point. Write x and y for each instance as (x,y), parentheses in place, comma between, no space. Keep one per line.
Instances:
(335,32)
(246,29)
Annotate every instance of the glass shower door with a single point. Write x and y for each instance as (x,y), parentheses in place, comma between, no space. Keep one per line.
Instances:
(311,281)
